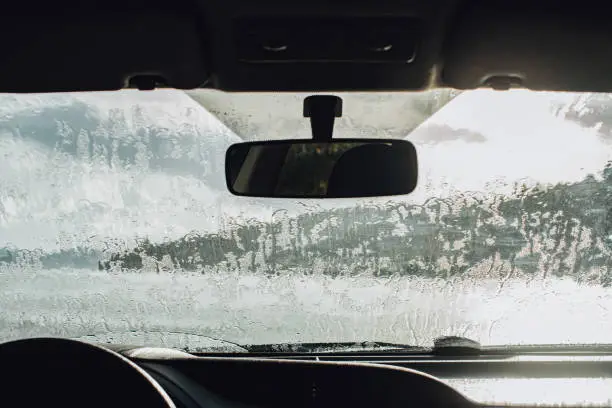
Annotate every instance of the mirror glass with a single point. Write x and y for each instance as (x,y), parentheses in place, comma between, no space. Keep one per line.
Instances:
(310,169)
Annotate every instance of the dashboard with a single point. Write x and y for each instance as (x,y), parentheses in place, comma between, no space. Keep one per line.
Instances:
(61,372)
(389,381)
(218,382)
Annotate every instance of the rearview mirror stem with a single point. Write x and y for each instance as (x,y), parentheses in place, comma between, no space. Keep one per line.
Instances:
(322,111)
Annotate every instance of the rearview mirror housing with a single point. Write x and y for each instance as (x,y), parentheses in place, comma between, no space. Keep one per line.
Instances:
(340,168)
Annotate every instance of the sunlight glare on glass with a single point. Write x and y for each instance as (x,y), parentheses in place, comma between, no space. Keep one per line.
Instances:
(541,391)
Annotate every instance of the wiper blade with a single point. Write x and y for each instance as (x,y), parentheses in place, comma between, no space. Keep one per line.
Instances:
(180,340)
(448,345)
(366,346)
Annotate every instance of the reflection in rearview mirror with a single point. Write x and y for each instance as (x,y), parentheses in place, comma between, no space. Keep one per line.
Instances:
(312,169)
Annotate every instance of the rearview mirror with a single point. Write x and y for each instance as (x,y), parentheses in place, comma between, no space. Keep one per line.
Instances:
(338,168)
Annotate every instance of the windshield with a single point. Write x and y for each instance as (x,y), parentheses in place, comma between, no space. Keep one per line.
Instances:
(116,225)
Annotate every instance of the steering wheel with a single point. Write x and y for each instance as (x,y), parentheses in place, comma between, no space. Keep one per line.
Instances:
(42,372)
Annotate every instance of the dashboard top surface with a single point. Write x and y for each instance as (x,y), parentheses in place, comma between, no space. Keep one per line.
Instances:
(68,372)
(537,380)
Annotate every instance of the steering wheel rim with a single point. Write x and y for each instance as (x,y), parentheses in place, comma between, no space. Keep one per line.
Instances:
(64,372)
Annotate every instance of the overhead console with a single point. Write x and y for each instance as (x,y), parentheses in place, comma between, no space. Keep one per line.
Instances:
(361,40)
(289,53)
(324,53)
(322,46)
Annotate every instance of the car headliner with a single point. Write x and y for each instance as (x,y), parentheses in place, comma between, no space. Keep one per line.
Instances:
(67,45)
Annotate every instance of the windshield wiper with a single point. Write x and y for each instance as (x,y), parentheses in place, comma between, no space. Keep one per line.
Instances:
(332,347)
(449,345)
(181,340)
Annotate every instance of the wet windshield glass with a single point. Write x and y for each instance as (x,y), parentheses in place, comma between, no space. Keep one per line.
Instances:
(116,225)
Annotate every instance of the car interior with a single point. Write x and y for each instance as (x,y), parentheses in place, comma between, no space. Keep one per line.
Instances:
(320,48)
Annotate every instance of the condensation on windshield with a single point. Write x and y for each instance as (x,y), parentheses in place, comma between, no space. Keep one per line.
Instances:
(116,226)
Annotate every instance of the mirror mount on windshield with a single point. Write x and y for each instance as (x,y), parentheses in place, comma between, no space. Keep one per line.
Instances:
(322,111)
